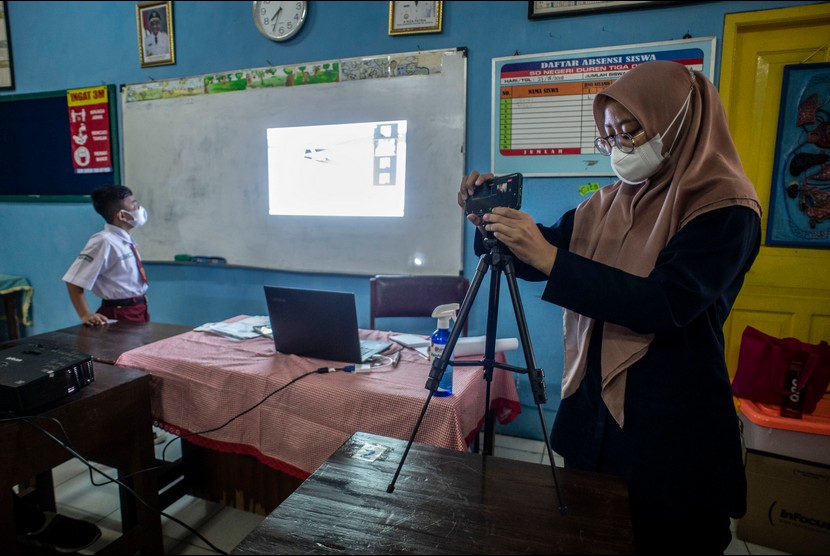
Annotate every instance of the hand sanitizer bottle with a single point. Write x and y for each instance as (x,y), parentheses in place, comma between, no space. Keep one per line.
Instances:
(438,341)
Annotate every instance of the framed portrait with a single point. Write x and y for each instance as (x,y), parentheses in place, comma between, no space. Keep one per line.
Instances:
(409,17)
(541,10)
(155,33)
(799,204)
(6,67)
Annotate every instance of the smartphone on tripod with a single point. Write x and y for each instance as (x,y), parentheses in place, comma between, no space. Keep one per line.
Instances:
(504,191)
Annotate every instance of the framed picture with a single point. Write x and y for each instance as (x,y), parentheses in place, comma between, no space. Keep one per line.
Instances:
(541,10)
(155,33)
(407,18)
(6,67)
(799,211)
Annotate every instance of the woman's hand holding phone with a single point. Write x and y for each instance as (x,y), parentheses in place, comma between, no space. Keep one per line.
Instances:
(467,190)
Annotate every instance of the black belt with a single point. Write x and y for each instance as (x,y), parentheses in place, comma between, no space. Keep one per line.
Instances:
(124,302)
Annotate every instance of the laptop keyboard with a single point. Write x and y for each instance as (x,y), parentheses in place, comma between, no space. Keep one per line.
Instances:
(368,348)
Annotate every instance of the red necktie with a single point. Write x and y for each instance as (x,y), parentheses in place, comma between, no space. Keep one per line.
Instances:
(138,260)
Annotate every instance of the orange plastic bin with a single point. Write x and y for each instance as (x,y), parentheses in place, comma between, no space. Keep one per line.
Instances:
(807,439)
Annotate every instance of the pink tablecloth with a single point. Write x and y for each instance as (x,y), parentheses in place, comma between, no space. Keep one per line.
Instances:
(202,380)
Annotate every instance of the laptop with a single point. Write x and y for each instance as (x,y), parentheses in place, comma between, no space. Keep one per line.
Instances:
(317,323)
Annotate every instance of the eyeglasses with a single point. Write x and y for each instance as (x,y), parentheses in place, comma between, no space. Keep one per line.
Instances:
(623,141)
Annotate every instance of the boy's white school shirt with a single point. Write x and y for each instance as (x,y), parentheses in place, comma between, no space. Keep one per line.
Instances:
(107,266)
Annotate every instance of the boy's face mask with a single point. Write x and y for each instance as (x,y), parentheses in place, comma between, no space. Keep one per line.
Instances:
(139,217)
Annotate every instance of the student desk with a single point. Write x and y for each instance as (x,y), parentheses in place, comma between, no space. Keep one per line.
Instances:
(107,343)
(108,422)
(444,502)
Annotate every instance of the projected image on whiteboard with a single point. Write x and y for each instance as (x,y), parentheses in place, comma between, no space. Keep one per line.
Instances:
(355,169)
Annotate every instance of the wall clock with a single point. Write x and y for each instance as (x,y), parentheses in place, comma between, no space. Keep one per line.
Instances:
(279,21)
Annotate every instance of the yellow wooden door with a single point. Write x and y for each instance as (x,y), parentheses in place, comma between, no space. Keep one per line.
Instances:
(787,292)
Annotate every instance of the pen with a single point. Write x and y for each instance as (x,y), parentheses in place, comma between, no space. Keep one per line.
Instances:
(396,358)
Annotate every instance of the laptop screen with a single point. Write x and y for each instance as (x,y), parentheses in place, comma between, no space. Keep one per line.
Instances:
(315,323)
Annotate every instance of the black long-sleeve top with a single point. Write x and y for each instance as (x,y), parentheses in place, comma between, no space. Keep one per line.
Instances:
(680,444)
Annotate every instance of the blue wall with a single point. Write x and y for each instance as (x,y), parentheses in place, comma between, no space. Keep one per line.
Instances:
(61,45)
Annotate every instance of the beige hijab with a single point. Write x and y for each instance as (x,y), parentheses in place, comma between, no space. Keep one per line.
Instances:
(626,226)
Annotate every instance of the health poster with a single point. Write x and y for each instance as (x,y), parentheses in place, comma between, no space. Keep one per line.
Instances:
(89,129)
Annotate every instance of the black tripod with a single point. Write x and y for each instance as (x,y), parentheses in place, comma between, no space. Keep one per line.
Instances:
(498,260)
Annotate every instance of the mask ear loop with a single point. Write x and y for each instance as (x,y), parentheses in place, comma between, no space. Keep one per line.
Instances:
(132,218)
(685,109)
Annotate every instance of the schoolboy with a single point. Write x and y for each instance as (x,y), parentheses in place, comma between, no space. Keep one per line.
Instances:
(109,265)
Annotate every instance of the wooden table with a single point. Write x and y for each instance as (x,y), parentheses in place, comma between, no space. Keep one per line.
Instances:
(108,422)
(444,502)
(107,343)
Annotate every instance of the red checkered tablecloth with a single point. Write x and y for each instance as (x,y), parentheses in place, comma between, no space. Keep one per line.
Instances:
(202,380)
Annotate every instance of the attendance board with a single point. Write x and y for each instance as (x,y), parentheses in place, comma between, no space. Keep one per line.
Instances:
(542,117)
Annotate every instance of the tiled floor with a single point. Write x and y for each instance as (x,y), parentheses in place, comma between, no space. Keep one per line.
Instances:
(226,527)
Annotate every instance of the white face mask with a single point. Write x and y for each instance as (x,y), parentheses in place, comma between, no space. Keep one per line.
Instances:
(139,217)
(639,165)
(642,163)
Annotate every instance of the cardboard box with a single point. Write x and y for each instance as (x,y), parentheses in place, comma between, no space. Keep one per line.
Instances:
(788,505)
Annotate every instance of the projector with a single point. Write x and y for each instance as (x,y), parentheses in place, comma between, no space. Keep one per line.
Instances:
(33,375)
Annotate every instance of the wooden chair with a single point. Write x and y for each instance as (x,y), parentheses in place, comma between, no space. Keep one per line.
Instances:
(413,296)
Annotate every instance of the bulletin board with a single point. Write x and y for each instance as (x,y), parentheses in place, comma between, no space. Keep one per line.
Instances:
(195,155)
(542,116)
(36,151)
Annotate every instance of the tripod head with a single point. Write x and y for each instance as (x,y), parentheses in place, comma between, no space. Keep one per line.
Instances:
(499,255)
(490,241)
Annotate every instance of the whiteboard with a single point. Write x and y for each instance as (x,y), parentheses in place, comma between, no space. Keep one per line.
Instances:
(198,164)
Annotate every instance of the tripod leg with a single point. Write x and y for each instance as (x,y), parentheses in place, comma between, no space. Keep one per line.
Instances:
(535,374)
(391,486)
(490,351)
(440,364)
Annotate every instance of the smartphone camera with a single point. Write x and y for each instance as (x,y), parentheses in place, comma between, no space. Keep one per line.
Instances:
(504,191)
